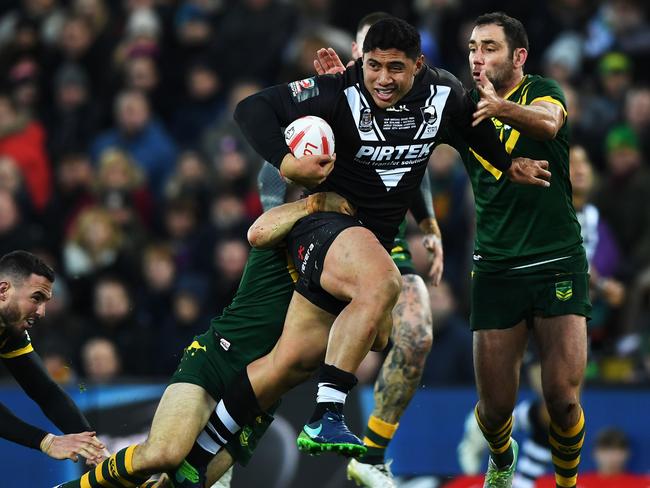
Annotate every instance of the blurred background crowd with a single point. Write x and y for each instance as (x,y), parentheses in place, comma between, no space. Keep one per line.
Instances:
(121,165)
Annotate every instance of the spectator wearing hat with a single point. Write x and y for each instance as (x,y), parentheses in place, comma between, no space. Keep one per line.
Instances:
(623,197)
(202,105)
(73,119)
(604,109)
(623,201)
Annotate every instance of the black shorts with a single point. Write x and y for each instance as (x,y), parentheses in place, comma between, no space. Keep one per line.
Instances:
(308,243)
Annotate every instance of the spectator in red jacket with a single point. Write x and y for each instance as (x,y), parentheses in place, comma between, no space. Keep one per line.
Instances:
(23,140)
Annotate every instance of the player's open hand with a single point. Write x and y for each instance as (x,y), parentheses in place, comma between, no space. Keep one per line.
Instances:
(71,446)
(530,172)
(327,62)
(490,103)
(329,202)
(433,244)
(308,171)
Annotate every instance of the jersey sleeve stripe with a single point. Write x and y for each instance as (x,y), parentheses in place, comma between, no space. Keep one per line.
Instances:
(486,164)
(549,99)
(18,352)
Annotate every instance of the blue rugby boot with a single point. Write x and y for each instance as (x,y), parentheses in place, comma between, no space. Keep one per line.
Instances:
(330,434)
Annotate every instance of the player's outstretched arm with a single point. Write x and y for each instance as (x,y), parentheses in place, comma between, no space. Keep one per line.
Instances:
(56,404)
(71,446)
(272,227)
(540,120)
(58,447)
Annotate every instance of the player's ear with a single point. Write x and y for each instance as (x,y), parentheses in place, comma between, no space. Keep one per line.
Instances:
(519,57)
(4,288)
(419,62)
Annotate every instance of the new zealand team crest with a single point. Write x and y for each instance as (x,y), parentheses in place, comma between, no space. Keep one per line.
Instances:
(431,122)
(365,121)
(429,115)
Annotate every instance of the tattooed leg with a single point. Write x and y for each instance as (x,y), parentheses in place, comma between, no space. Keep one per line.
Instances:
(401,372)
(412,337)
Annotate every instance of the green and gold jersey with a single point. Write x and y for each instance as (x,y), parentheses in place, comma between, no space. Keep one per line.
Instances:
(12,346)
(520,225)
(252,323)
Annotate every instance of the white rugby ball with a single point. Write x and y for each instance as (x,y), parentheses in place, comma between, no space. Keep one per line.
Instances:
(309,135)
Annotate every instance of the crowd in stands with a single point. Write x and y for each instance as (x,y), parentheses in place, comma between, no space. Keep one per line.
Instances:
(120,162)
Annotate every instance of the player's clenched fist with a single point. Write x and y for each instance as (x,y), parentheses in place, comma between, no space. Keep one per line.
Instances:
(71,446)
(308,171)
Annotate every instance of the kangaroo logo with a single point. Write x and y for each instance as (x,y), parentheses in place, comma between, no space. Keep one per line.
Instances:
(194,347)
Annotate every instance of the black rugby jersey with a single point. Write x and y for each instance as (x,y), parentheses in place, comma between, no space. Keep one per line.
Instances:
(381,154)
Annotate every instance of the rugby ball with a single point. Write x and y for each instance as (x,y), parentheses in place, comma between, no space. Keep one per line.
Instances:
(309,135)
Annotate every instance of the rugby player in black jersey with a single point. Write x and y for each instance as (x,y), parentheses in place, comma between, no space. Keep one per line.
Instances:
(25,288)
(385,111)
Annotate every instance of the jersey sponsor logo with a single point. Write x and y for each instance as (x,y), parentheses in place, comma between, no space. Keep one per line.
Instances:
(365,120)
(564,290)
(307,254)
(477,257)
(391,177)
(403,156)
(224,343)
(304,89)
(393,154)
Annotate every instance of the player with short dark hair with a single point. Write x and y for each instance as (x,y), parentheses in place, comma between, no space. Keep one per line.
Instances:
(412,334)
(25,288)
(386,111)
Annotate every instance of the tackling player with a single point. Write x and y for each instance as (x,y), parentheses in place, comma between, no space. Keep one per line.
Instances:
(247,329)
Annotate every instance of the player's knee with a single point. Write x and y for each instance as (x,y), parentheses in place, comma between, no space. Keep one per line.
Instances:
(296,369)
(155,457)
(381,295)
(381,340)
(562,405)
(495,413)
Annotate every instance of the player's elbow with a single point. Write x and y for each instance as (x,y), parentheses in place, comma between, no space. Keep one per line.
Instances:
(548,130)
(258,237)
(241,110)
